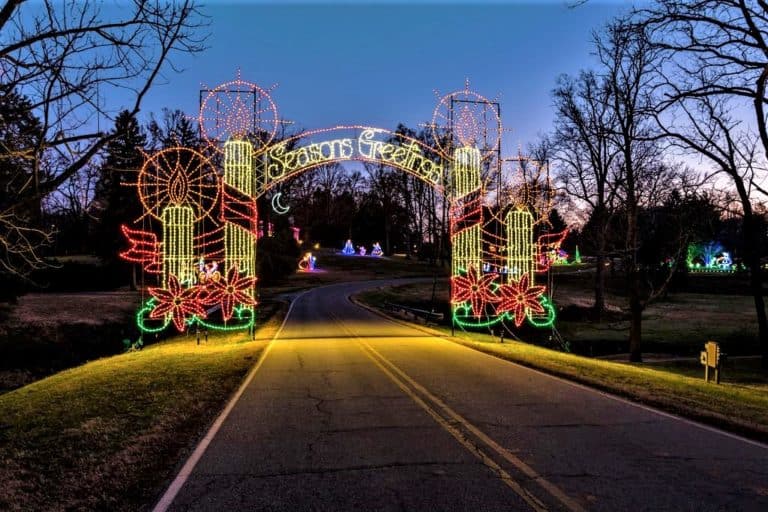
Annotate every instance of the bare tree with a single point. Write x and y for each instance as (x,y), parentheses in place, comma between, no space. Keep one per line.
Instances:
(76,196)
(66,57)
(384,184)
(585,157)
(716,63)
(627,60)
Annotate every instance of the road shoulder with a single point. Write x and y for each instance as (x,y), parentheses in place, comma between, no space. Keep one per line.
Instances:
(731,410)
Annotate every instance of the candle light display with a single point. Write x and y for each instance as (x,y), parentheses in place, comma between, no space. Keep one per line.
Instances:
(206,259)
(466,211)
(180,188)
(495,256)
(239,237)
(178,255)
(520,247)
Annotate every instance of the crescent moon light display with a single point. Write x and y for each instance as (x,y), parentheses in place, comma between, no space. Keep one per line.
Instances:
(277,206)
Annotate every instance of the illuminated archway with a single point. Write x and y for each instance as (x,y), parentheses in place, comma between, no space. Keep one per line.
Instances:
(207,253)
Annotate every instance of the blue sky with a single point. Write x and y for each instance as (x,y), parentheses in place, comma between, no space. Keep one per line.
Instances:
(379,63)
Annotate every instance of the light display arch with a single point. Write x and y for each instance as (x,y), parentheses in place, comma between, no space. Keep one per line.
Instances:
(286,159)
(206,253)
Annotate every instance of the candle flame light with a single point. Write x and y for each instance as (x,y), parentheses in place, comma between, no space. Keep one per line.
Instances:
(177,186)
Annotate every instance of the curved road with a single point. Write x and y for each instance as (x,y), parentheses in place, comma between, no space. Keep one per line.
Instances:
(350,411)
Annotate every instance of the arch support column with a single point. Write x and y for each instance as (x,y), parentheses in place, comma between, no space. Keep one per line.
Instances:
(466,218)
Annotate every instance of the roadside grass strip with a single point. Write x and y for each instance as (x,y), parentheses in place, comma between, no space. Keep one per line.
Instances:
(736,405)
(733,407)
(109,435)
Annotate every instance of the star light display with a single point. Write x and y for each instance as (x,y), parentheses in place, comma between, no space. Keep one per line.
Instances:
(198,233)
(237,110)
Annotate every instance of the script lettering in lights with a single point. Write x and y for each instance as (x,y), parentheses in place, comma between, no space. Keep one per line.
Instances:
(407,156)
(283,163)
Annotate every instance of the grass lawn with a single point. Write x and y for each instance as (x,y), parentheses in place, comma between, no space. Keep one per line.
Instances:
(108,435)
(739,404)
(679,325)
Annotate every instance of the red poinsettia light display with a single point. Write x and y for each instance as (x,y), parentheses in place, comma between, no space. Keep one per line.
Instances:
(177,301)
(519,298)
(474,288)
(233,289)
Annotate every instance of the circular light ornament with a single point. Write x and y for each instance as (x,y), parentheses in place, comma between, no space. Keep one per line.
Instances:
(237,110)
(178,176)
(470,119)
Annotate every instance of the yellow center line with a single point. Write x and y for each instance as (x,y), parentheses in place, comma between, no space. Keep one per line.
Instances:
(524,468)
(505,477)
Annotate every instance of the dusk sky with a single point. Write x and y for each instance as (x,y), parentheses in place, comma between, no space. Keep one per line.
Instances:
(379,64)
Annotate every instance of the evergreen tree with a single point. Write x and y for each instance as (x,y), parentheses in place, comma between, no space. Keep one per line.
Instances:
(118,203)
(176,129)
(20,240)
(20,133)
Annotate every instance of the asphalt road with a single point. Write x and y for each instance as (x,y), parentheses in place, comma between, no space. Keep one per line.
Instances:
(349,411)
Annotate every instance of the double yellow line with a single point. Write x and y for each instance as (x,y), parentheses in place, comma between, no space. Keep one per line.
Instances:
(457,426)
(463,431)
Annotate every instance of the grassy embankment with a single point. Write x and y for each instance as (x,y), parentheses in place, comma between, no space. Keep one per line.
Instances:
(678,325)
(739,404)
(108,435)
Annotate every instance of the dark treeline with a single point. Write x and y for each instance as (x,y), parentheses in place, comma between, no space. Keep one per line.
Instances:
(364,202)
(367,203)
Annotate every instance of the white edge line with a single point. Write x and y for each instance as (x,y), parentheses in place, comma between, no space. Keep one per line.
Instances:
(173,490)
(440,335)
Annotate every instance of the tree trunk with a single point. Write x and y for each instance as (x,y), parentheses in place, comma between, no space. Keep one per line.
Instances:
(632,268)
(388,248)
(756,287)
(636,318)
(756,283)
(599,306)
